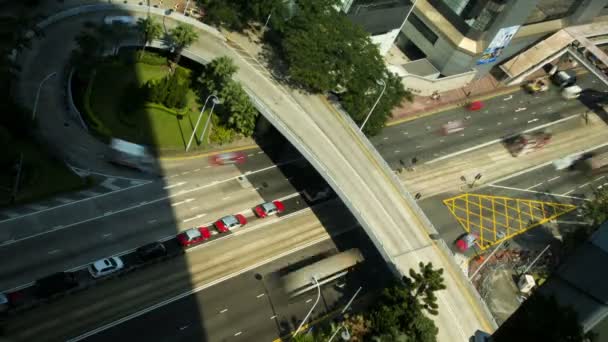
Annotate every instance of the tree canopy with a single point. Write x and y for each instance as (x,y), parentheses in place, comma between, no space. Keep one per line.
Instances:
(324,51)
(149,29)
(182,36)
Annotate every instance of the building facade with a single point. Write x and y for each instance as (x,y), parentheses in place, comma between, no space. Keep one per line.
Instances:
(455,42)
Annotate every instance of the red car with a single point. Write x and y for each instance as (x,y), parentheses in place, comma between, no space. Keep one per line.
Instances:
(194,236)
(229,222)
(466,241)
(228,158)
(269,208)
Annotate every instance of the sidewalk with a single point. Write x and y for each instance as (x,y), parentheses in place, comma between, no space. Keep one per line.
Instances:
(494,162)
(479,90)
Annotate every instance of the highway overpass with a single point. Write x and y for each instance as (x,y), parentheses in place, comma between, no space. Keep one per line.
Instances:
(357,173)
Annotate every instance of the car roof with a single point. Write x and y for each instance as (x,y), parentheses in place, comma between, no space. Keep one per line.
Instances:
(268,206)
(229,220)
(192,233)
(103,263)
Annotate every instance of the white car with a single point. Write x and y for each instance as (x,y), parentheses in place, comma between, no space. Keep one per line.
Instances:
(103,267)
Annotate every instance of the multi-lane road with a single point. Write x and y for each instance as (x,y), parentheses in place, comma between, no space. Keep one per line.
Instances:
(193,193)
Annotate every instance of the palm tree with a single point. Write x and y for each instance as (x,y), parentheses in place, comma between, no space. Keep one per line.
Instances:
(182,36)
(149,30)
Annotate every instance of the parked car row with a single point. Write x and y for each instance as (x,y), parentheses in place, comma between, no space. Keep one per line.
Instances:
(61,282)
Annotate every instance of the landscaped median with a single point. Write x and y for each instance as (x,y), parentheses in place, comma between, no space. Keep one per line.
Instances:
(116,103)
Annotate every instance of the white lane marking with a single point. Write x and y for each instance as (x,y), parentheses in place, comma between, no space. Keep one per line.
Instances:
(568,192)
(533,120)
(385,138)
(599,178)
(198,289)
(534,186)
(226,198)
(57,227)
(515,118)
(533,168)
(108,213)
(405,133)
(197,170)
(187,200)
(223,310)
(238,333)
(480,129)
(520,109)
(261,152)
(341,285)
(7,242)
(397,151)
(273,317)
(554,178)
(172,176)
(162,199)
(152,221)
(63,200)
(473,148)
(418,146)
(499,123)
(533,113)
(174,185)
(537,192)
(73,202)
(54,251)
(109,183)
(107,235)
(583,185)
(195,207)
(194,218)
(184,327)
(260,295)
(208,166)
(309,300)
(250,155)
(508,98)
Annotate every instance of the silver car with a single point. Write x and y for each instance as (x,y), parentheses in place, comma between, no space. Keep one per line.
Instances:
(103,267)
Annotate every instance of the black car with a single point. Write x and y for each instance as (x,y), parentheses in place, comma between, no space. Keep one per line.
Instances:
(55,283)
(151,251)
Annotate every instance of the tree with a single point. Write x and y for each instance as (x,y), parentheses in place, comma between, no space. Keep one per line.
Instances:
(241,114)
(423,286)
(182,36)
(541,318)
(86,56)
(596,210)
(149,30)
(217,74)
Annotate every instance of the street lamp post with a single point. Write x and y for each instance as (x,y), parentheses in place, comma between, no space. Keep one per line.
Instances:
(38,93)
(316,282)
(214,102)
(200,116)
(345,334)
(380,82)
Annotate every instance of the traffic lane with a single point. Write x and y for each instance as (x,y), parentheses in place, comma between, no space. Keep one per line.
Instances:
(116,232)
(421,137)
(202,265)
(19,227)
(251,306)
(477,131)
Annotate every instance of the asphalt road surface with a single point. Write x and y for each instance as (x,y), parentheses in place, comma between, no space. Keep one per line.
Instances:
(543,183)
(502,116)
(246,308)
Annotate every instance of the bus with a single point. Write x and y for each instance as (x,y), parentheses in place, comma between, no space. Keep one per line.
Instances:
(300,281)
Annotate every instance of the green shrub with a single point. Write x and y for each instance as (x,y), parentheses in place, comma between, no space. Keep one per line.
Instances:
(151,58)
(221,134)
(90,115)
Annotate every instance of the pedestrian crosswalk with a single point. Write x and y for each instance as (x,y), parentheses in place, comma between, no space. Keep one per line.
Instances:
(104,186)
